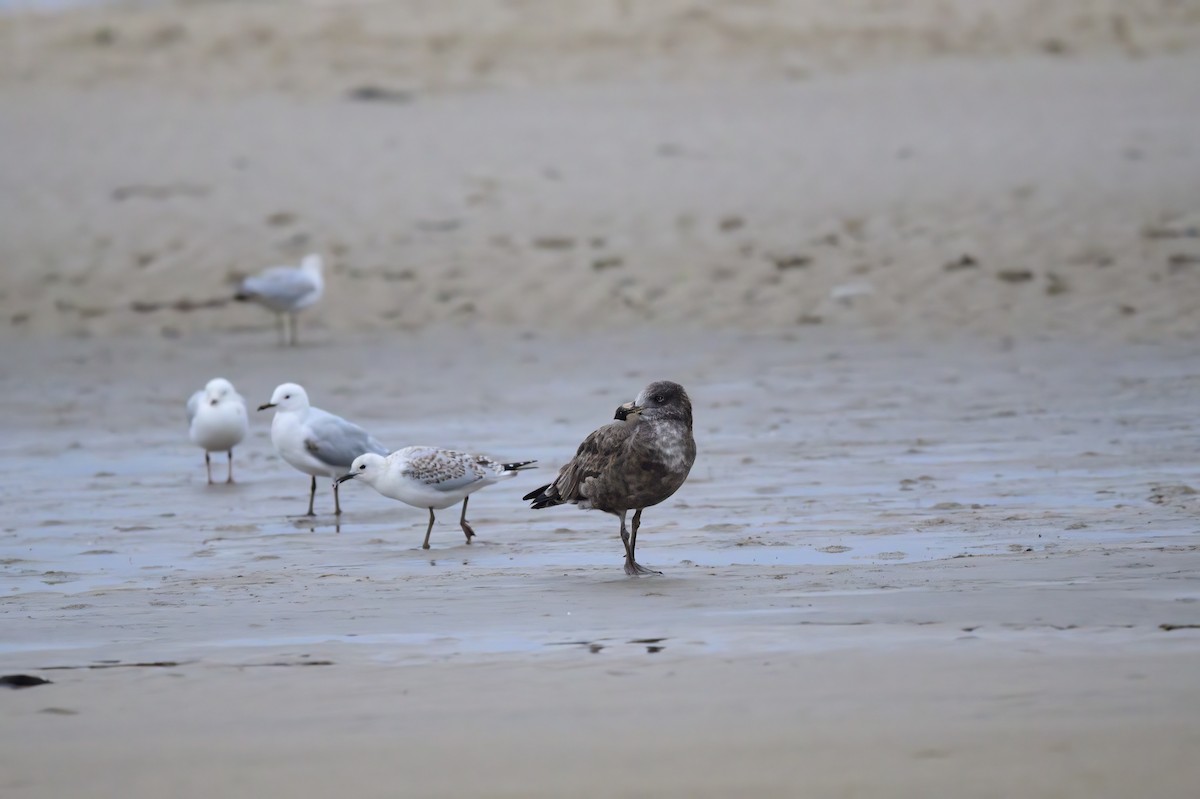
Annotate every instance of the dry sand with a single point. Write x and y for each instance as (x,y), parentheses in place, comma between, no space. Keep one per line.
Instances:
(928,270)
(941,167)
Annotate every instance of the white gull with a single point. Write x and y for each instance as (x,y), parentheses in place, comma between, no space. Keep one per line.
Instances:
(286,290)
(315,441)
(217,421)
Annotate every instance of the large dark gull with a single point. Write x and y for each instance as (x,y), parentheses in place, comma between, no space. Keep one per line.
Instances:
(315,441)
(428,477)
(285,290)
(630,464)
(217,421)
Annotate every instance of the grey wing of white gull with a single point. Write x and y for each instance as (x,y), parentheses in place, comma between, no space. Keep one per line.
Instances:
(336,442)
(193,405)
(280,286)
(443,469)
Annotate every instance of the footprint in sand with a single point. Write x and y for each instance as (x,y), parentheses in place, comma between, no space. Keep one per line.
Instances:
(835,549)
(721,528)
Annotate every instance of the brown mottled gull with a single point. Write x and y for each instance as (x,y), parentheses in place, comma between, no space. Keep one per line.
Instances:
(630,464)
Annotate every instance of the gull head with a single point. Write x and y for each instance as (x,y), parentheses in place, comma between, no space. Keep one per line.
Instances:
(287,397)
(628,412)
(218,389)
(312,264)
(663,399)
(367,466)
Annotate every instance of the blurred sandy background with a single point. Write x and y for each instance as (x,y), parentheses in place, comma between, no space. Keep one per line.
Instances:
(995,166)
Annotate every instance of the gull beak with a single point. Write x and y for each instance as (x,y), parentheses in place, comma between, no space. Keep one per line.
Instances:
(627,410)
(266,405)
(345,477)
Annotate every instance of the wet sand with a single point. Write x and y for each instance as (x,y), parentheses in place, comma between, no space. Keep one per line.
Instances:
(900,567)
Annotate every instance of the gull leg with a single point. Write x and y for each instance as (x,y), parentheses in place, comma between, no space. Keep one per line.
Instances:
(229,479)
(625,541)
(462,521)
(428,530)
(281,326)
(337,504)
(637,522)
(208,466)
(632,567)
(312,494)
(294,339)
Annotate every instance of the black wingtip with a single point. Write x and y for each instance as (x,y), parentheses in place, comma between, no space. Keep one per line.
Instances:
(536,494)
(241,296)
(545,497)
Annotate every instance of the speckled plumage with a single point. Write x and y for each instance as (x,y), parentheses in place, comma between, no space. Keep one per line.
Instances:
(449,470)
(631,464)
(433,478)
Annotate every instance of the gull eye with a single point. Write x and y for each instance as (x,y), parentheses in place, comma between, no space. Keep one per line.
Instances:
(287,396)
(658,398)
(362,467)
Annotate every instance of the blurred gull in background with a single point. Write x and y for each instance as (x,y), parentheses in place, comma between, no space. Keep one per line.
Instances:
(286,290)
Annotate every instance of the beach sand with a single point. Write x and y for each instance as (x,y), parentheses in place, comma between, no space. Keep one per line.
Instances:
(897,570)
(928,272)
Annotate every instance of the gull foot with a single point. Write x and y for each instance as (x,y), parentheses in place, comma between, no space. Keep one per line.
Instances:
(635,569)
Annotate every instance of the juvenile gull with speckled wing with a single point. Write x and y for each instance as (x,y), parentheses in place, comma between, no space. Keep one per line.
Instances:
(428,477)
(630,464)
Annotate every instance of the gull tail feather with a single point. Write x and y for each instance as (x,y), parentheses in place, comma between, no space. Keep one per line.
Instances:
(544,497)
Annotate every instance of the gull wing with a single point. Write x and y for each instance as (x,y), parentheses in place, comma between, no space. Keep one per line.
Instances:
(280,285)
(336,442)
(599,454)
(444,469)
(193,406)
